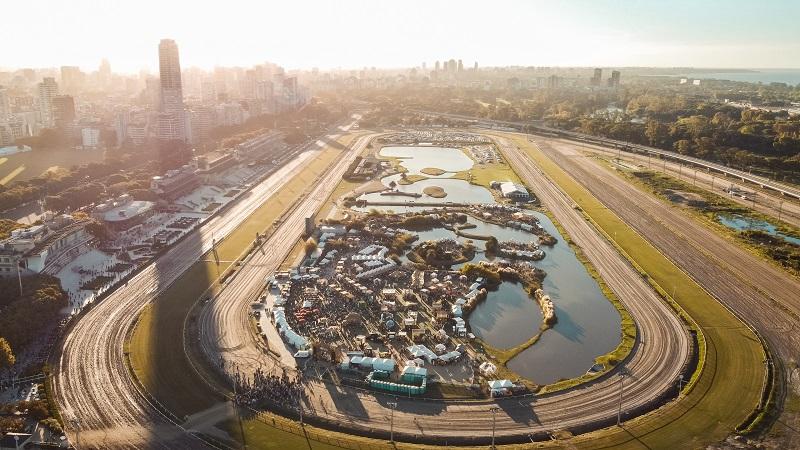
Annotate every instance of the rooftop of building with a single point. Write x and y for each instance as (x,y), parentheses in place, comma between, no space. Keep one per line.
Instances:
(58,234)
(127,210)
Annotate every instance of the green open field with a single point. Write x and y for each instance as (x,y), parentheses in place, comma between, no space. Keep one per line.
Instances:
(729,387)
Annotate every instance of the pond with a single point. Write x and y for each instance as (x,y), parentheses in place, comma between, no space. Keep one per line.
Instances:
(742,223)
(419,157)
(588,324)
(506,308)
(458,191)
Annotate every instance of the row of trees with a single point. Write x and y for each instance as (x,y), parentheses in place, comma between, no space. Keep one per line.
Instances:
(653,113)
(24,317)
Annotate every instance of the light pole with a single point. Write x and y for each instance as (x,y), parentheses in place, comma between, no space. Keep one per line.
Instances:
(494,410)
(392,405)
(622,376)
(780,210)
(19,278)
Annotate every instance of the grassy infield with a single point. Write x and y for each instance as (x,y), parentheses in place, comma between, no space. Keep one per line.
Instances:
(711,409)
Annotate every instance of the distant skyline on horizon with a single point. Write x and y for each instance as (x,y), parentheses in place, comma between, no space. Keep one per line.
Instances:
(352,34)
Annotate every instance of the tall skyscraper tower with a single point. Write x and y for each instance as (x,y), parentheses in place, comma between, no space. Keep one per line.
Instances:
(171,120)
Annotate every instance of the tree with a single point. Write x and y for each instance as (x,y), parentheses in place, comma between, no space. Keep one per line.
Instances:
(7,358)
(656,133)
(310,246)
(492,246)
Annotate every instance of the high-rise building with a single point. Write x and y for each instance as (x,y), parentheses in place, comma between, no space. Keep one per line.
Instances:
(121,122)
(597,77)
(152,92)
(208,91)
(71,79)
(247,85)
(63,111)
(47,90)
(613,82)
(104,73)
(90,137)
(202,121)
(460,66)
(171,120)
(5,104)
(437,66)
(475,67)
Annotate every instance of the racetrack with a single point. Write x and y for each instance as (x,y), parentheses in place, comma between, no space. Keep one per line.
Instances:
(660,354)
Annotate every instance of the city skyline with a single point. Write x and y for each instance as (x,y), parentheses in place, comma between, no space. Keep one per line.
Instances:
(580,33)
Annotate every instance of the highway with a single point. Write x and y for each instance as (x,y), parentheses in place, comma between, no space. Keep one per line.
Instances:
(660,354)
(100,404)
(781,188)
(754,288)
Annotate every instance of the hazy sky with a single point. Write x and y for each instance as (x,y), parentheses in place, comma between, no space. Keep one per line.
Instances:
(356,33)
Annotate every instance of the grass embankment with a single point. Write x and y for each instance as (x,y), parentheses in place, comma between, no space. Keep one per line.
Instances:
(729,386)
(484,174)
(410,179)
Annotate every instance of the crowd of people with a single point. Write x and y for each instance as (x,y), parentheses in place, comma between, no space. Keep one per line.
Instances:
(281,390)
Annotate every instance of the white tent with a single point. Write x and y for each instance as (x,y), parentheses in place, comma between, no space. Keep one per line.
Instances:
(501,384)
(384,364)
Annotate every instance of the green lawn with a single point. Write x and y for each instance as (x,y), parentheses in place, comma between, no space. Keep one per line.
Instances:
(728,388)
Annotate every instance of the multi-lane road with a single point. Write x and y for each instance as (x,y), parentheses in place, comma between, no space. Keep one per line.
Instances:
(99,401)
(660,354)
